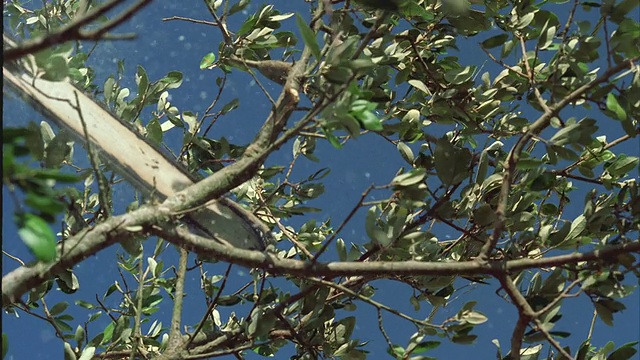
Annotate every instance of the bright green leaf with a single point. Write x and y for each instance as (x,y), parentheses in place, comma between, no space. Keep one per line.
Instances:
(38,236)
(207,61)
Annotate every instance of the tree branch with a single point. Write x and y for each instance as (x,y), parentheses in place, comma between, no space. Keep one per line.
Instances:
(73,31)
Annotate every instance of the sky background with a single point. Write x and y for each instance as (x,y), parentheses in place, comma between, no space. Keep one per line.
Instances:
(167,46)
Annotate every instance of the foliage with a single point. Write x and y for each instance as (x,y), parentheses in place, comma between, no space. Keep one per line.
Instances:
(497,150)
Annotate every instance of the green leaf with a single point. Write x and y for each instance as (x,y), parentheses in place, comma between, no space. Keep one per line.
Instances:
(56,68)
(495,41)
(475,317)
(577,227)
(624,352)
(80,335)
(142,80)
(420,86)
(38,236)
(154,131)
(230,106)
(207,60)
(173,80)
(622,165)
(614,106)
(109,86)
(58,308)
(414,176)
(391,5)
(88,353)
(57,150)
(484,215)
(464,339)
(333,140)
(369,121)
(373,231)
(451,163)
(5,345)
(58,176)
(308,36)
(459,76)
(425,346)
(543,182)
(68,352)
(239,6)
(337,74)
(67,281)
(546,36)
(405,152)
(261,323)
(604,314)
(46,204)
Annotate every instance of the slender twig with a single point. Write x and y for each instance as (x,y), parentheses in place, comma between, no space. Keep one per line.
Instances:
(558,298)
(552,341)
(195,21)
(344,223)
(384,333)
(103,188)
(212,305)
(532,75)
(373,303)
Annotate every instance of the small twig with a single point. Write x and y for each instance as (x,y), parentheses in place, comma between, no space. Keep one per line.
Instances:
(384,333)
(552,341)
(211,306)
(220,24)
(382,16)
(344,223)
(532,77)
(373,303)
(103,188)
(13,258)
(195,21)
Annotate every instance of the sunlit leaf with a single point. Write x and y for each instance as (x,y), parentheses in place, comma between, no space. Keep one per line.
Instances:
(38,236)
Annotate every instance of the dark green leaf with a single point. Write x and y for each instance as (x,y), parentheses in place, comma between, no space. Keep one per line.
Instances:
(230,106)
(5,345)
(308,36)
(624,352)
(142,80)
(451,163)
(58,308)
(154,131)
(495,41)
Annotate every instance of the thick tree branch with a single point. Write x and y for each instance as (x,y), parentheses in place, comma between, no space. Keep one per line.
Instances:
(271,263)
(77,248)
(115,229)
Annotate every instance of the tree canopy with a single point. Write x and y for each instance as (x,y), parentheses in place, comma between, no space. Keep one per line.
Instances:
(377,173)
